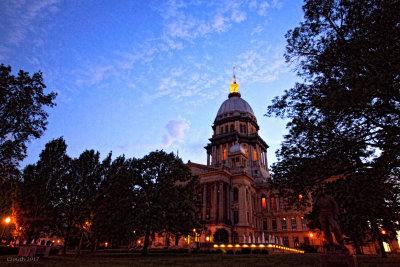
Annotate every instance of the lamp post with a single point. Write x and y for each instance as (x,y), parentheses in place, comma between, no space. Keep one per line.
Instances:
(311,237)
(6,221)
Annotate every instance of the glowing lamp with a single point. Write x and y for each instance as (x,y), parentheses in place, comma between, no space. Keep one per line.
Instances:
(237,245)
(311,234)
(215,246)
(7,220)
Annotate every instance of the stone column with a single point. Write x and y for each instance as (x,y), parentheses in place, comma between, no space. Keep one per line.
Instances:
(242,205)
(204,200)
(258,153)
(208,159)
(230,212)
(214,202)
(213,154)
(221,202)
(227,202)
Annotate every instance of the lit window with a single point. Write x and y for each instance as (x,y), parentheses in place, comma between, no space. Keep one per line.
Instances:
(294,224)
(245,151)
(254,155)
(272,203)
(224,154)
(263,202)
(284,227)
(304,223)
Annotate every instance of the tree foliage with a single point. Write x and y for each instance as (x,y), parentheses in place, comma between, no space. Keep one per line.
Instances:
(165,196)
(114,201)
(22,115)
(345,115)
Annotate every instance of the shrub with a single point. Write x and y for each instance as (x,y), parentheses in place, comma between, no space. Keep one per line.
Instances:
(8,250)
(246,250)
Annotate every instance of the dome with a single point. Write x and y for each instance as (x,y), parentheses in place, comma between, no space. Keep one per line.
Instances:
(235,106)
(237,148)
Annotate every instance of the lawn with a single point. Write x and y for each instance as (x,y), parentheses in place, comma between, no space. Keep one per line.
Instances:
(186,259)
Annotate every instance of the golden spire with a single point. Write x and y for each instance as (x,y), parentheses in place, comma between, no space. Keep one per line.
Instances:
(234,86)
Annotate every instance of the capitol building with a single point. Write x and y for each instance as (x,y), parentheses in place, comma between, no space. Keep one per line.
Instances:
(235,184)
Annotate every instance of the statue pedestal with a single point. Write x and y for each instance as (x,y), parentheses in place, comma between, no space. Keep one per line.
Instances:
(338,259)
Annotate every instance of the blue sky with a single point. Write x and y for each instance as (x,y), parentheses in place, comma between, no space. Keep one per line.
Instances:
(136,76)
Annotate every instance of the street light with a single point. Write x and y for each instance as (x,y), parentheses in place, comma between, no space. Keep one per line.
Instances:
(7,221)
(311,237)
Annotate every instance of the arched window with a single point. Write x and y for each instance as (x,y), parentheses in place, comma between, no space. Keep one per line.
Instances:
(226,128)
(235,194)
(263,202)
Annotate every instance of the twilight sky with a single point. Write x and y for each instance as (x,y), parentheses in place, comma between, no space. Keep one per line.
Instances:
(136,76)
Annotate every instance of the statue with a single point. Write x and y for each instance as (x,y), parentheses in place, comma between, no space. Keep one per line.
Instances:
(328,212)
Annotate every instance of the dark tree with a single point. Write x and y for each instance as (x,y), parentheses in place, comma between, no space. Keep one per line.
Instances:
(113,211)
(22,115)
(164,191)
(36,197)
(78,191)
(345,116)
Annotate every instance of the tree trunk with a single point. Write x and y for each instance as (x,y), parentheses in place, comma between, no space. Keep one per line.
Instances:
(146,242)
(66,239)
(94,243)
(65,246)
(378,236)
(357,246)
(80,244)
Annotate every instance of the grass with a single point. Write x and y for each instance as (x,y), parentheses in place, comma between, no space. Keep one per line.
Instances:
(190,259)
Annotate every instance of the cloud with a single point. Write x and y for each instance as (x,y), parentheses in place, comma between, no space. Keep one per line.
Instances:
(95,75)
(175,131)
(257,30)
(22,15)
(220,23)
(261,63)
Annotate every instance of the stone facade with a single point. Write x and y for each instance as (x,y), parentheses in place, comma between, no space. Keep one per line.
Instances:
(236,193)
